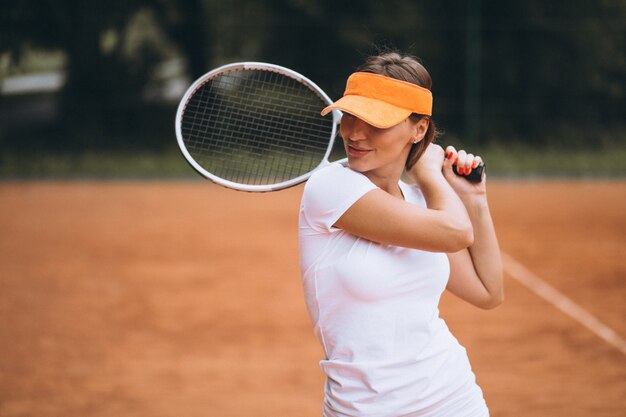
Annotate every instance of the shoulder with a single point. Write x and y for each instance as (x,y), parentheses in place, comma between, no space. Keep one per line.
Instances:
(334,171)
(330,191)
(335,176)
(324,173)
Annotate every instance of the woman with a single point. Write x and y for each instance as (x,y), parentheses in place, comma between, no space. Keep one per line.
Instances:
(376,253)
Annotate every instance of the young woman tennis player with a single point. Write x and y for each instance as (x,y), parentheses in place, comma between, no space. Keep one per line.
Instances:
(377,253)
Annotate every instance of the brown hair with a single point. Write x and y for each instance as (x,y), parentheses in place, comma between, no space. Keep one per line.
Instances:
(406,68)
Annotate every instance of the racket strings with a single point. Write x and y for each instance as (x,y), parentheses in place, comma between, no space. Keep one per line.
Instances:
(256,127)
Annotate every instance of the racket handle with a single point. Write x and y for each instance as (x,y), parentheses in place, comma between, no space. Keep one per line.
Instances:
(475,176)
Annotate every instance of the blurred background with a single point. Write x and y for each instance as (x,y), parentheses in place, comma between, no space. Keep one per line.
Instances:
(175,298)
(91,87)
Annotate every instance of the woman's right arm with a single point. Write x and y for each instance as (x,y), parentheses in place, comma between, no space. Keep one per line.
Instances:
(444,226)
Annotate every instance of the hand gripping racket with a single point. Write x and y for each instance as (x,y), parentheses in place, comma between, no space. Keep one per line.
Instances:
(253,126)
(475,176)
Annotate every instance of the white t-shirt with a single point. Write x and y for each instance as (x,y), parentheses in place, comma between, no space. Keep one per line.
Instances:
(375,311)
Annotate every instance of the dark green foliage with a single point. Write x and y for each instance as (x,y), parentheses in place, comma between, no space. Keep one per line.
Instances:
(541,73)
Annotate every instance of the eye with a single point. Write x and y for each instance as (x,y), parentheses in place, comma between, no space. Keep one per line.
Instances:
(347,117)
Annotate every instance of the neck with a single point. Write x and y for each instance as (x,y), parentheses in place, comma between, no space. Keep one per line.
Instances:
(387,178)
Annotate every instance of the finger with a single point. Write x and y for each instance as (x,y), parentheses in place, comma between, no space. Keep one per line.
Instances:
(450,153)
(460,162)
(469,160)
(477,161)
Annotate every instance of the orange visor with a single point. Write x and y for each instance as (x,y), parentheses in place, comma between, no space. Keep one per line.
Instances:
(382,101)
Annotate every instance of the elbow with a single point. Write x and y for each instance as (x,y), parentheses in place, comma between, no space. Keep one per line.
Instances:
(467,236)
(492,303)
(462,237)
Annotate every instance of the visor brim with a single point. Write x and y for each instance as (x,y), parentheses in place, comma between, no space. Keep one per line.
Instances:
(375,112)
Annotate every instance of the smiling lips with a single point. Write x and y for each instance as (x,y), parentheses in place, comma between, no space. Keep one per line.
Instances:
(356,151)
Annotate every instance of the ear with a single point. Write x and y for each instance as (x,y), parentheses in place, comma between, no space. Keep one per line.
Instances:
(419,129)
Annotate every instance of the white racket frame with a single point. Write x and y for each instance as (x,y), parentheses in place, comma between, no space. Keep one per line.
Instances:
(336,114)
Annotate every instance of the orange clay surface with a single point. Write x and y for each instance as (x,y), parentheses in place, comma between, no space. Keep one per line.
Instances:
(183,299)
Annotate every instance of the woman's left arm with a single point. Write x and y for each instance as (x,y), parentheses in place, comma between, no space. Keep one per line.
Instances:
(475,272)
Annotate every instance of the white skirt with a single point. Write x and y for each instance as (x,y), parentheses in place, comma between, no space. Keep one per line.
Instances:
(466,401)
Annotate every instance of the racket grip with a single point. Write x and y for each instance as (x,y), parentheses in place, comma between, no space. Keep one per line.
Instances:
(475,176)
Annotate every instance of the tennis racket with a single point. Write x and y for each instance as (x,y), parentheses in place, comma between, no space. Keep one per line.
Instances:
(253,126)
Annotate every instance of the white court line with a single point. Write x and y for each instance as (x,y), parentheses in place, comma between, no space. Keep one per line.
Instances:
(525,277)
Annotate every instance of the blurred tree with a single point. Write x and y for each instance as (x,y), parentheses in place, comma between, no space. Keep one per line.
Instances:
(103,82)
(186,24)
(327,40)
(554,68)
(112,49)
(523,68)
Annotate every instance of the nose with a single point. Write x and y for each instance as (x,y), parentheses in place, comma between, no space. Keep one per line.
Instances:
(353,128)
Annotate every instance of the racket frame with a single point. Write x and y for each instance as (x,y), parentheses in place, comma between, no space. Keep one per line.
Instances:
(238,66)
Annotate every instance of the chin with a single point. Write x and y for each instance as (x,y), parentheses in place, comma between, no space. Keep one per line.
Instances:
(356,165)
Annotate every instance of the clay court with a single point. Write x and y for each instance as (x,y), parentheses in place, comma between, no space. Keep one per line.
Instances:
(180,298)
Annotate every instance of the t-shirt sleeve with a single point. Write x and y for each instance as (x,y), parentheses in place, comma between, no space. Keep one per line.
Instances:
(329,193)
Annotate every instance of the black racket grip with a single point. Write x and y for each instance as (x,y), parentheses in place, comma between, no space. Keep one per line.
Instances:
(475,176)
